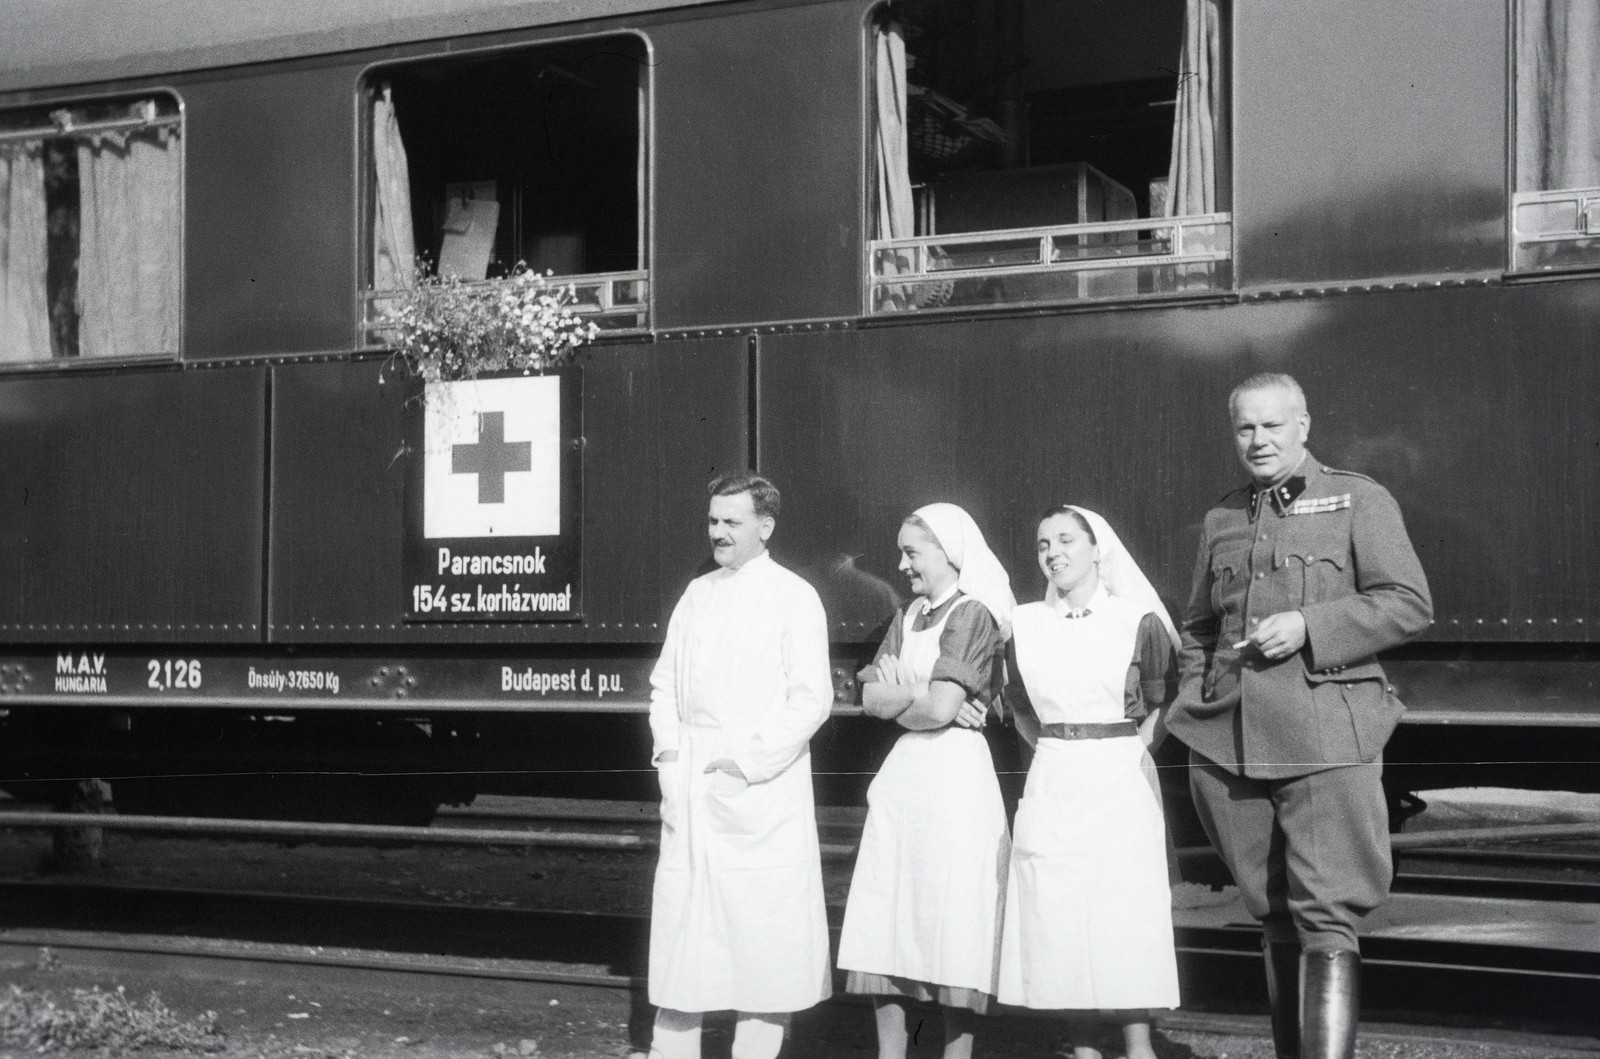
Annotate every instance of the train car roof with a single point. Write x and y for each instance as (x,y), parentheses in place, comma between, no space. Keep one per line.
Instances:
(51,43)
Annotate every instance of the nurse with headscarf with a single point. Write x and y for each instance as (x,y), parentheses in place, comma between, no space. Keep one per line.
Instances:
(1088,915)
(922,923)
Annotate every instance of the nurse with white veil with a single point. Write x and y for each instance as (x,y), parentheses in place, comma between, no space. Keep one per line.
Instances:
(922,924)
(1088,918)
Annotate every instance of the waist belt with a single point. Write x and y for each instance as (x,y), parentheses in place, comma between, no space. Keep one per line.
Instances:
(1107,730)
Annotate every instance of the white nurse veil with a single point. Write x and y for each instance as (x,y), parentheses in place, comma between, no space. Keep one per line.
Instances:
(1120,575)
(980,574)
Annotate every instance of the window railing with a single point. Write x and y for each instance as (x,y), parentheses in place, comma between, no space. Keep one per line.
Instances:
(1555,229)
(615,301)
(1104,260)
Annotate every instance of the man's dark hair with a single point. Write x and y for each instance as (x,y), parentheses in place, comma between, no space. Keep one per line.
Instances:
(764,496)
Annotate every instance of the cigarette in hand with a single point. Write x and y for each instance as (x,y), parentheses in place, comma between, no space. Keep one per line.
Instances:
(1241,645)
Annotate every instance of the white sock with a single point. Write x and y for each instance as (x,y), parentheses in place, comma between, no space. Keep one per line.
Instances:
(759,1036)
(676,1035)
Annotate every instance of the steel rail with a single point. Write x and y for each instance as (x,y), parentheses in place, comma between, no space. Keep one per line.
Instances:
(358,833)
(1459,837)
(1509,856)
(297,830)
(1467,836)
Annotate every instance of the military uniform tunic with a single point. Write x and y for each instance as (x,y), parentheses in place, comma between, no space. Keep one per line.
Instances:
(1293,746)
(1335,549)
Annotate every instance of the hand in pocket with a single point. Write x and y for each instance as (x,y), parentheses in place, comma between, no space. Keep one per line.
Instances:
(671,779)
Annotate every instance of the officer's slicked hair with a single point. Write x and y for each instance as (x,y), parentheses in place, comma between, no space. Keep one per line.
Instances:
(764,496)
(1269,380)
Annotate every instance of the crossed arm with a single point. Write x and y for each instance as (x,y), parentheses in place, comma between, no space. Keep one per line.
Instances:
(919,707)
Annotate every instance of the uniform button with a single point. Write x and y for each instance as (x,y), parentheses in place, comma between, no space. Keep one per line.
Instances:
(1262,537)
(1259,576)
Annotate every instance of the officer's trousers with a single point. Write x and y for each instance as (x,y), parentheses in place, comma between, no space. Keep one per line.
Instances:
(1310,854)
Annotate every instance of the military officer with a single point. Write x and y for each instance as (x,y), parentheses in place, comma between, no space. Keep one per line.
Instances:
(1303,577)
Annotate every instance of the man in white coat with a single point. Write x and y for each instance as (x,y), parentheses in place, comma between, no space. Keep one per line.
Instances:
(737,917)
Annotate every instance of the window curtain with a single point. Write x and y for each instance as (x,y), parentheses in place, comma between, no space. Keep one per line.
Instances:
(394,252)
(896,212)
(24,302)
(130,210)
(1558,94)
(896,215)
(1192,179)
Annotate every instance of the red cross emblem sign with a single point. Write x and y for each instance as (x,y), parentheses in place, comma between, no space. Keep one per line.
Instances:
(492,510)
(493,458)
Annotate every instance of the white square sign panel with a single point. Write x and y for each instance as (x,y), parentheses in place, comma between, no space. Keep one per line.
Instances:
(492,465)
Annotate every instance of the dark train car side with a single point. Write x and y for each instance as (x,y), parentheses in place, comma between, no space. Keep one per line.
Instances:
(1008,297)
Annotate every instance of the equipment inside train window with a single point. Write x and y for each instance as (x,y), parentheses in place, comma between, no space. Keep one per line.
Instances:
(1555,209)
(1030,151)
(530,155)
(91,229)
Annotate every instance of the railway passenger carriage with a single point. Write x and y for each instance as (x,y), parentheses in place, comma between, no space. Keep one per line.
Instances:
(884,253)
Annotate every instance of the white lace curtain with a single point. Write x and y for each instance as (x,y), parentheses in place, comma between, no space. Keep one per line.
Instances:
(1558,94)
(24,303)
(1192,179)
(130,210)
(394,253)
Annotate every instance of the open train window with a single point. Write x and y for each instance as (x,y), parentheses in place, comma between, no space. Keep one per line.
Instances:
(532,155)
(1555,209)
(91,229)
(1032,151)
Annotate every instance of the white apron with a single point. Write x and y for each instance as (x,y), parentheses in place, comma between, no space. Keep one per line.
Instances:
(930,874)
(1088,921)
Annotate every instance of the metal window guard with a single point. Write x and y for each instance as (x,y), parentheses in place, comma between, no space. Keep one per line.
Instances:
(65,127)
(617,301)
(1099,247)
(1553,229)
(932,253)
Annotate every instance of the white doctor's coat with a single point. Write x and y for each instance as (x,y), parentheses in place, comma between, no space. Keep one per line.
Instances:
(737,917)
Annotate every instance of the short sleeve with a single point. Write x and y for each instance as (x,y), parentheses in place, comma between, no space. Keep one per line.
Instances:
(970,650)
(889,646)
(1153,675)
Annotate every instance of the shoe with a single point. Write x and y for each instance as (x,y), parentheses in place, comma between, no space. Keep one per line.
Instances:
(1330,1004)
(1283,994)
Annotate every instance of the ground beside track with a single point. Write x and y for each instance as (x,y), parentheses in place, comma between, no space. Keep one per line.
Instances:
(279,1011)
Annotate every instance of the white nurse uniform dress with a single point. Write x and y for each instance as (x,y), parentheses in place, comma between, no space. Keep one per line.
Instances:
(924,911)
(1088,918)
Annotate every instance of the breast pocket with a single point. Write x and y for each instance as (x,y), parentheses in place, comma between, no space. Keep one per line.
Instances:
(1227,566)
(1315,570)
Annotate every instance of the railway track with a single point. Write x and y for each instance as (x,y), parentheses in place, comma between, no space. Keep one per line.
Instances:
(1417,980)
(1407,980)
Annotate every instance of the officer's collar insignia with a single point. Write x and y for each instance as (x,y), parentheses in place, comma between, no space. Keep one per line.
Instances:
(1317,505)
(1283,495)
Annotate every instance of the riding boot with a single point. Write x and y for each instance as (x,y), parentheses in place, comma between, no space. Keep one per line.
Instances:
(1283,994)
(1330,1004)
